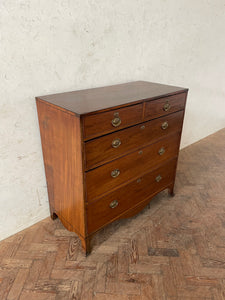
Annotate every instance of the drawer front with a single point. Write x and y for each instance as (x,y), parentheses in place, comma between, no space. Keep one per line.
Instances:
(108,147)
(98,124)
(164,106)
(110,175)
(108,208)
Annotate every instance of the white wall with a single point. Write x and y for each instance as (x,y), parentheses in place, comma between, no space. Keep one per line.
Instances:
(61,45)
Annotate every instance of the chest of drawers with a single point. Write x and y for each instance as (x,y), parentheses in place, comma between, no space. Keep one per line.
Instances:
(107,151)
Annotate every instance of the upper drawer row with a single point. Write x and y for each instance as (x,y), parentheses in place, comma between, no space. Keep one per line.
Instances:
(105,122)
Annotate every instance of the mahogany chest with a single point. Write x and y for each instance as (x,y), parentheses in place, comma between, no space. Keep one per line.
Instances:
(107,151)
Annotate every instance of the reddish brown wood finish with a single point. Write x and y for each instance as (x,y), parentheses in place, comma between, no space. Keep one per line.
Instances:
(100,150)
(61,143)
(164,106)
(100,213)
(106,98)
(130,166)
(99,124)
(77,136)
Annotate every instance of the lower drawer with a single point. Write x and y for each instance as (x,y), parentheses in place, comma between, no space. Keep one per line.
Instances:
(108,208)
(110,175)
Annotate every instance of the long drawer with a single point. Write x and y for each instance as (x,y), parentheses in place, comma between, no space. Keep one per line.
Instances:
(106,148)
(110,175)
(111,206)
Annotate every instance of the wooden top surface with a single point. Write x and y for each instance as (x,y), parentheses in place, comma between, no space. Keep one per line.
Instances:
(103,98)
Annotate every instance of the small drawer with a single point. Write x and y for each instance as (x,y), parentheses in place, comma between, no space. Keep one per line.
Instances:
(164,106)
(111,146)
(110,175)
(110,207)
(101,123)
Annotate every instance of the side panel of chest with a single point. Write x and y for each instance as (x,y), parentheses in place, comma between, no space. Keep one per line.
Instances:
(62,152)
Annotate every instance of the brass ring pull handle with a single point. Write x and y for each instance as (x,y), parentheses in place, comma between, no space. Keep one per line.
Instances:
(113,204)
(116,143)
(166,106)
(158,178)
(161,151)
(164,125)
(115,173)
(116,121)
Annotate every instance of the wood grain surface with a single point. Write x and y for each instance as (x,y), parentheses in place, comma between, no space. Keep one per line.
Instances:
(100,150)
(100,180)
(157,108)
(128,196)
(99,124)
(105,98)
(62,152)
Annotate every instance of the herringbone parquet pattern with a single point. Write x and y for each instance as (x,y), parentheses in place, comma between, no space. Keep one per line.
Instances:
(173,251)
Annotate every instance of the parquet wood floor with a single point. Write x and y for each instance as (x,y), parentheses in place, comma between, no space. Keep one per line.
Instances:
(173,251)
